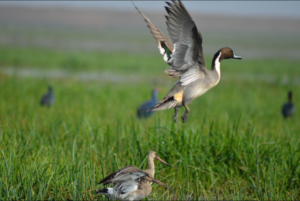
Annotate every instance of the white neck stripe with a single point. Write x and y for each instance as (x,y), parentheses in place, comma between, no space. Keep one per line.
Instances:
(217,65)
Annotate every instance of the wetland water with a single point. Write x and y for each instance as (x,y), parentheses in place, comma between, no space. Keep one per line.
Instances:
(121,78)
(73,29)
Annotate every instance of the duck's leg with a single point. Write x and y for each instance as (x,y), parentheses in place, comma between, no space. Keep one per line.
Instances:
(175,115)
(186,114)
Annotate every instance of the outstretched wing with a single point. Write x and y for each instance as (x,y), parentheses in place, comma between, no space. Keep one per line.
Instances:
(165,45)
(187,40)
(123,171)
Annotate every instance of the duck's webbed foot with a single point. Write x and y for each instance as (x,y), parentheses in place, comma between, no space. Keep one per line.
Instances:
(175,115)
(186,114)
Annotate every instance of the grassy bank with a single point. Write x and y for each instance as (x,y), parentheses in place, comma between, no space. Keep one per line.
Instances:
(235,144)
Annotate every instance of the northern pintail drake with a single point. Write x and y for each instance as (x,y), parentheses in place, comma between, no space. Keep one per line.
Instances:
(112,193)
(48,99)
(129,186)
(142,110)
(288,109)
(184,55)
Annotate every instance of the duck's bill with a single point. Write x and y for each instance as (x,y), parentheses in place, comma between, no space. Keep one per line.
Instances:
(160,183)
(236,56)
(161,160)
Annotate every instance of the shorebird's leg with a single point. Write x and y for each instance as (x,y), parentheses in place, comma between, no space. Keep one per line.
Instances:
(175,115)
(186,114)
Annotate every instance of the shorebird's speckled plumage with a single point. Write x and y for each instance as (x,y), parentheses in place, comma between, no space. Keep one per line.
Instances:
(130,186)
(132,181)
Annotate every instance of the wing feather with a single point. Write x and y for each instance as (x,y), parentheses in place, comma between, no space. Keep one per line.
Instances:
(127,183)
(193,74)
(187,42)
(184,54)
(124,189)
(128,176)
(158,35)
(125,170)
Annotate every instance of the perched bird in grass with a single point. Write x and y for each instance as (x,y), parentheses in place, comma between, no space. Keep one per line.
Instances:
(131,183)
(130,186)
(183,53)
(288,109)
(142,110)
(48,99)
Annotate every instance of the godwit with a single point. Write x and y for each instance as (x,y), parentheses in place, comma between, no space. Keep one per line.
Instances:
(129,186)
(109,192)
(185,56)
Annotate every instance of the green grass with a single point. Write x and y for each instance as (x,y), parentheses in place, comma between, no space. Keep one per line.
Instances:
(235,144)
(128,63)
(41,58)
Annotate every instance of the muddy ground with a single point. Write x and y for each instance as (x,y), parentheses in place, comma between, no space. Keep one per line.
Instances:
(111,30)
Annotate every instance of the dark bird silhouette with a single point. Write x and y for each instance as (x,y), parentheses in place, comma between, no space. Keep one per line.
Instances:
(142,110)
(288,109)
(48,99)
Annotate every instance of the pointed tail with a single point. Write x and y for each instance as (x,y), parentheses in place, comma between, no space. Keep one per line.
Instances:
(164,104)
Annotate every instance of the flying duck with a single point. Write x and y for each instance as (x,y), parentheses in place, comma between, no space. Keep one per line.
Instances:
(48,99)
(184,55)
(129,186)
(288,109)
(142,110)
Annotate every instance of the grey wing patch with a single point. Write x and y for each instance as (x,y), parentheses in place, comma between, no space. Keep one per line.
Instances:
(193,74)
(124,189)
(127,183)
(129,176)
(124,170)
(187,40)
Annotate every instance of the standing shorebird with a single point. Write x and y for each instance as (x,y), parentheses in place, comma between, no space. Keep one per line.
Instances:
(185,56)
(48,99)
(111,192)
(129,186)
(288,109)
(142,110)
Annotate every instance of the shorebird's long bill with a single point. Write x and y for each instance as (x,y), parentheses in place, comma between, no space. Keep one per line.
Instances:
(161,160)
(160,183)
(236,56)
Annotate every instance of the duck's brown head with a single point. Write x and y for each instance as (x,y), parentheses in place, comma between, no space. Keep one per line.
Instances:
(227,53)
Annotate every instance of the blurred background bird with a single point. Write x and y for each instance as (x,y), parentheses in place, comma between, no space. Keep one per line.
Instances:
(288,109)
(48,99)
(142,110)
